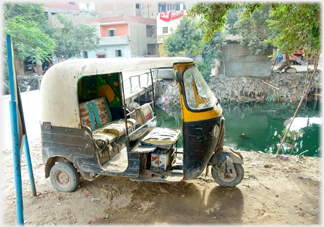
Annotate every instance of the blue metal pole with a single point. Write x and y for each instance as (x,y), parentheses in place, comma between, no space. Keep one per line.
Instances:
(16,160)
(10,68)
(28,158)
(15,136)
(30,168)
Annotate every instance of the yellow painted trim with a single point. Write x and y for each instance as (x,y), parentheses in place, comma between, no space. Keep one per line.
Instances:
(189,116)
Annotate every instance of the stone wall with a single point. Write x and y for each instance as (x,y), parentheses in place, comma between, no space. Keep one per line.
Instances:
(238,61)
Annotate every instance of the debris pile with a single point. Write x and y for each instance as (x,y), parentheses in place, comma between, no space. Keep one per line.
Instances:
(283,87)
(278,87)
(28,83)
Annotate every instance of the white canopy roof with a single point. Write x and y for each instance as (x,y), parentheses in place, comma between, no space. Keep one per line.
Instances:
(59,96)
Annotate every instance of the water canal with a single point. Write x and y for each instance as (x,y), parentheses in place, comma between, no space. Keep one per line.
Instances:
(256,126)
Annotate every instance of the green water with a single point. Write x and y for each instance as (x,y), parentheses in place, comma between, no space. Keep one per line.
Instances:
(256,126)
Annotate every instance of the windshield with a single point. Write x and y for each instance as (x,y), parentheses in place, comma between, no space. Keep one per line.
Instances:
(198,94)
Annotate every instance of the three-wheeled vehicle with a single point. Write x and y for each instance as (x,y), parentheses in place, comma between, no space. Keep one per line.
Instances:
(88,130)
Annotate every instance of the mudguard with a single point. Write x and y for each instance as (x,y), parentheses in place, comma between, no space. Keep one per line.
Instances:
(224,152)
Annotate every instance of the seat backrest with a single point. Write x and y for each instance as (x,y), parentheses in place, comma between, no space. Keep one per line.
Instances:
(144,113)
(95,113)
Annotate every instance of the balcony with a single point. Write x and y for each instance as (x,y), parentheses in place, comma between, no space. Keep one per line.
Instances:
(116,40)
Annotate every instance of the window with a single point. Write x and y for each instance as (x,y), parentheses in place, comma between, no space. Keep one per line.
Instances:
(165,29)
(85,54)
(111,32)
(118,53)
(150,31)
(137,6)
(198,94)
(101,56)
(72,3)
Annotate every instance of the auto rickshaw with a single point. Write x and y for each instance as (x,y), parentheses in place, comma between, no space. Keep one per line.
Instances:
(88,130)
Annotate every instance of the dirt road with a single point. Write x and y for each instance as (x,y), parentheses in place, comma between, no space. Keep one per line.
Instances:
(272,192)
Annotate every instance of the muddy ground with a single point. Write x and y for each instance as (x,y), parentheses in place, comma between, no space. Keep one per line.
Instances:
(272,192)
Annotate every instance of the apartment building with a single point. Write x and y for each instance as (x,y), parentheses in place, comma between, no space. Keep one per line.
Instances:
(125,36)
(166,22)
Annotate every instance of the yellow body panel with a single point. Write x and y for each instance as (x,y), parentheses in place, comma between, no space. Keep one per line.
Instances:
(188,115)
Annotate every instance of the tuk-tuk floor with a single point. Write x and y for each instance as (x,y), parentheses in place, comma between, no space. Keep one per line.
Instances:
(118,163)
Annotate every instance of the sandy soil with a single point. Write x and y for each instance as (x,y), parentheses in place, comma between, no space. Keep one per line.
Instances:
(272,192)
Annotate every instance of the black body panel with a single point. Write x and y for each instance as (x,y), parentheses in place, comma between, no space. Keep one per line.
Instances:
(199,145)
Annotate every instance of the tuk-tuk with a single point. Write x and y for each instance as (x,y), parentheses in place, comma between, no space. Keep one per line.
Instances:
(88,130)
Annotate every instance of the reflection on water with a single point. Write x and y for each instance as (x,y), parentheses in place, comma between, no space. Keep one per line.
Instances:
(256,126)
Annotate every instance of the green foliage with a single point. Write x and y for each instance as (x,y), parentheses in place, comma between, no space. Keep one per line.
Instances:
(231,19)
(297,24)
(215,45)
(28,40)
(254,29)
(299,29)
(185,38)
(291,138)
(188,40)
(213,17)
(29,30)
(205,67)
(73,39)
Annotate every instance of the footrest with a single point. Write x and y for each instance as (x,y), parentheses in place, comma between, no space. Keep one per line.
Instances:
(163,138)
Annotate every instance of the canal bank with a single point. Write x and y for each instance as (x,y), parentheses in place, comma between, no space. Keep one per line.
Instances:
(257,111)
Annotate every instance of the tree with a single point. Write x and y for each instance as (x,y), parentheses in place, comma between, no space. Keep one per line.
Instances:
(29,30)
(255,31)
(298,27)
(28,40)
(212,17)
(73,39)
(231,19)
(184,38)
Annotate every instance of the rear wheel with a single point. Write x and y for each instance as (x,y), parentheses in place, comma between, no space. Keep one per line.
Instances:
(223,180)
(64,177)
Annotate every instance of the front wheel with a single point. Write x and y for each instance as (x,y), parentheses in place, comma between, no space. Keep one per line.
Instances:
(224,180)
(64,177)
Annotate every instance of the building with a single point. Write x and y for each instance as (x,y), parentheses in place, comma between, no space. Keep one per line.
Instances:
(125,28)
(125,36)
(166,22)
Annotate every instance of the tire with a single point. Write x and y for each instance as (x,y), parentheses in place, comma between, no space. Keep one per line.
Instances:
(64,177)
(229,181)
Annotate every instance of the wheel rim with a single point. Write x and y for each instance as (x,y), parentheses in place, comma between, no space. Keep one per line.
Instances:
(62,178)
(226,179)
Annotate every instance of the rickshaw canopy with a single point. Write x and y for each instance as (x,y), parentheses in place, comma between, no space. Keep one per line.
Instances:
(59,88)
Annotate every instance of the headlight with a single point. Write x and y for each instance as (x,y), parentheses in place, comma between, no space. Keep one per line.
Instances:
(216,131)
